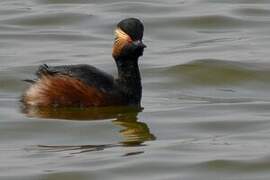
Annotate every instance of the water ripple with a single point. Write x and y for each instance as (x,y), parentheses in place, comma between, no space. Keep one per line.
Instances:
(253,12)
(206,22)
(211,71)
(239,1)
(56,19)
(236,165)
(63,36)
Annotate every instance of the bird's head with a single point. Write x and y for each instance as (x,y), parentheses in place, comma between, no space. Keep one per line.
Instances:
(128,39)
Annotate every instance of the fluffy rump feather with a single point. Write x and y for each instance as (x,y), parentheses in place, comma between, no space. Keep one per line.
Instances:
(62,90)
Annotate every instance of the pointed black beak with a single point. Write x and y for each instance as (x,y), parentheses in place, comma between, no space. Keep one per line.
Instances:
(139,44)
(139,47)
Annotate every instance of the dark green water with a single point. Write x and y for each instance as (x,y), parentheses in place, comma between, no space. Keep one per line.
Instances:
(206,91)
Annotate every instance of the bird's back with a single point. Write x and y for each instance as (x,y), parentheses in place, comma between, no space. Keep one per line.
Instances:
(73,85)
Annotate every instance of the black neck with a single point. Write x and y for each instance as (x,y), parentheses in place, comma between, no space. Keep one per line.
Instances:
(129,79)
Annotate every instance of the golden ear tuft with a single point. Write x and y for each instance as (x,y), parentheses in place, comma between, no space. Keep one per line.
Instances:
(121,39)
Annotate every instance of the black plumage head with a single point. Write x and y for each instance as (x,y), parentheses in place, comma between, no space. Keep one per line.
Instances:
(128,38)
(133,27)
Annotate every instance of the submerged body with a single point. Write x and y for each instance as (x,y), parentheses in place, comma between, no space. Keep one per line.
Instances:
(85,85)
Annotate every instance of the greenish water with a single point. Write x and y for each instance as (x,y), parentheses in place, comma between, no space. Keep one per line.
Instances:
(206,91)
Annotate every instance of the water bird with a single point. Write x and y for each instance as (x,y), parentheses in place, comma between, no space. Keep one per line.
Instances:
(86,86)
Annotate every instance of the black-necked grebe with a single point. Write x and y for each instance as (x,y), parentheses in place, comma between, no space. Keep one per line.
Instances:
(85,85)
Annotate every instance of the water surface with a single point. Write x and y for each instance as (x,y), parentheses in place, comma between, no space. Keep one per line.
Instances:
(206,91)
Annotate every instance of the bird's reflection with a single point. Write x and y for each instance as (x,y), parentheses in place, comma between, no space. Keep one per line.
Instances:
(133,131)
